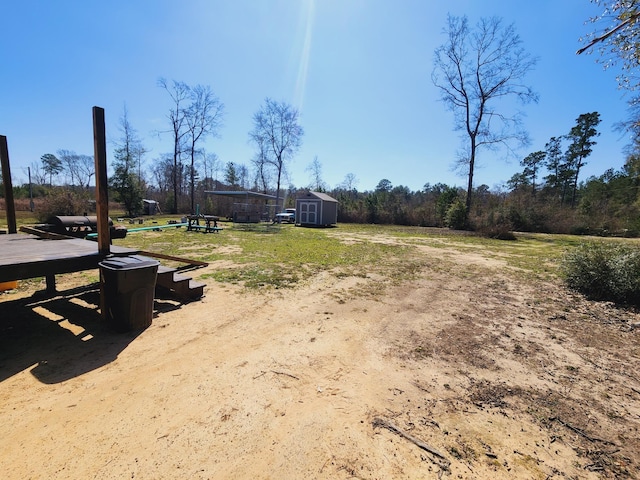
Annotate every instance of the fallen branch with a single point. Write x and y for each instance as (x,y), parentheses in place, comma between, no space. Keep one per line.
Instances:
(379,422)
(581,432)
(285,374)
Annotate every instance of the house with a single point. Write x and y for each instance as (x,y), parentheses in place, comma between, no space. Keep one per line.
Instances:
(316,209)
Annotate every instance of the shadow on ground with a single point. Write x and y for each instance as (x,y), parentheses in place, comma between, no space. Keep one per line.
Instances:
(62,337)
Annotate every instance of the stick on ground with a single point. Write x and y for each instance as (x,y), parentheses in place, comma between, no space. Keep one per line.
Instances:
(581,432)
(379,422)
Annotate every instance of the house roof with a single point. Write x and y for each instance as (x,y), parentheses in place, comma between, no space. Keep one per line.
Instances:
(241,193)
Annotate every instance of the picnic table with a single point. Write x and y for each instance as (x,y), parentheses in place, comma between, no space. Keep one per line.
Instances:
(209,223)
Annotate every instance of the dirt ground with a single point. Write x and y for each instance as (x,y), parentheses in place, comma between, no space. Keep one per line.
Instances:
(470,371)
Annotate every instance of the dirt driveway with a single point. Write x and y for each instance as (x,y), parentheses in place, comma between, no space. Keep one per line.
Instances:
(471,370)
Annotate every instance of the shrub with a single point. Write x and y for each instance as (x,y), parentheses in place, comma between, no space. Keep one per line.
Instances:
(444,202)
(63,202)
(498,231)
(528,219)
(604,271)
(495,225)
(456,217)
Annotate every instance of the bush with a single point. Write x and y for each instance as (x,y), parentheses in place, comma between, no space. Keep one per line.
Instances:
(63,202)
(501,231)
(456,217)
(604,271)
(526,219)
(494,225)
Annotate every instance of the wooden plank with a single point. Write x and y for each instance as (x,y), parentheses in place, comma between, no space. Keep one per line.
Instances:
(42,233)
(8,185)
(173,258)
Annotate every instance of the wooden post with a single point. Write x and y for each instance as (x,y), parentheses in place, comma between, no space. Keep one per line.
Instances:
(102,197)
(8,186)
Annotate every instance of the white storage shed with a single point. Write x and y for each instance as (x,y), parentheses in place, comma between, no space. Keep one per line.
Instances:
(316,209)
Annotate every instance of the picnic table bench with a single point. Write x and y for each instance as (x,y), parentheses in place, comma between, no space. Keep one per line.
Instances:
(209,225)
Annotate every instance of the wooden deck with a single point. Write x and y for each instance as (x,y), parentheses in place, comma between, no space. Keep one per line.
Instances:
(28,256)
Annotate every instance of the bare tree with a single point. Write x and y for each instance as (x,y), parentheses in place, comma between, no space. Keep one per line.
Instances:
(261,164)
(211,165)
(79,168)
(243,175)
(617,43)
(38,175)
(203,118)
(315,171)
(180,94)
(618,40)
(276,130)
(163,173)
(475,70)
(349,183)
(86,170)
(68,159)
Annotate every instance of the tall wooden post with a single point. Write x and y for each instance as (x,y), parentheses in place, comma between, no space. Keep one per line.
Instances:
(102,197)
(8,186)
(31,205)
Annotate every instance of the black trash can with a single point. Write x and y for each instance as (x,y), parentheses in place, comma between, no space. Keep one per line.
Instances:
(128,284)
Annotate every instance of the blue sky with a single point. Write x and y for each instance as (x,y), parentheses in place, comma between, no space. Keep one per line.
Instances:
(359,71)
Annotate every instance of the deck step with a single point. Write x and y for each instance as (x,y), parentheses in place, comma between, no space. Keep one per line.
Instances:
(182,285)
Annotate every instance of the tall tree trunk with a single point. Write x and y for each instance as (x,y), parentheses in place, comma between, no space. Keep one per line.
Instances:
(192,180)
(472,162)
(174,209)
(575,183)
(278,209)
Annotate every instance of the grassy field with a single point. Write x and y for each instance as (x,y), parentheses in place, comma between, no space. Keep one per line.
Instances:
(280,256)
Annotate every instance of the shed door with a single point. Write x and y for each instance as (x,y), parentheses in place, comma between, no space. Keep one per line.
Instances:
(308,212)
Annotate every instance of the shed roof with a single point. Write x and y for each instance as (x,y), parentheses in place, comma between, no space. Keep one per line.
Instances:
(321,196)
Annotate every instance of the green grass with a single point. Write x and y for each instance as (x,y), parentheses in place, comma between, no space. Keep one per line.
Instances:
(282,256)
(534,255)
(278,258)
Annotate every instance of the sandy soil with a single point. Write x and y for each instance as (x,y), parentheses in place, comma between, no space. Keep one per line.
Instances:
(469,371)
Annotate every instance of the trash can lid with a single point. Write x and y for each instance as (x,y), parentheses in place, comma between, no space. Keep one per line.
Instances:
(128,263)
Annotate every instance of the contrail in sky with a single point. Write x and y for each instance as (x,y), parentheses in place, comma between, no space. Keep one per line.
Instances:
(303,65)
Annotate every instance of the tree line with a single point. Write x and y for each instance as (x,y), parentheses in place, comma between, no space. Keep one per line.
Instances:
(476,70)
(179,179)
(545,196)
